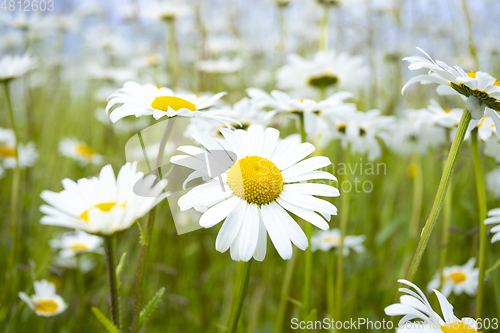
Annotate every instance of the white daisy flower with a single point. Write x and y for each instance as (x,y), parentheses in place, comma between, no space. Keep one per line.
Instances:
(415,130)
(12,67)
(245,113)
(480,90)
(45,302)
(457,279)
(259,182)
(485,128)
(79,151)
(8,151)
(328,239)
(163,11)
(494,218)
(102,205)
(279,101)
(83,264)
(223,65)
(360,130)
(326,69)
(147,100)
(493,182)
(492,148)
(414,305)
(72,243)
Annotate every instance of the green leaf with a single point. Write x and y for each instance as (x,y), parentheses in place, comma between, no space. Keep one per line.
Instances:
(143,236)
(312,316)
(296,302)
(150,307)
(492,268)
(119,268)
(105,321)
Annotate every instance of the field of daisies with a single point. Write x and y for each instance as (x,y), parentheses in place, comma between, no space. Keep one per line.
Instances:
(250,166)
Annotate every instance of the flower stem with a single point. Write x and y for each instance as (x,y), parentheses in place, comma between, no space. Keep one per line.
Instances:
(306,292)
(113,287)
(240,297)
(344,217)
(481,198)
(446,232)
(285,290)
(330,280)
(16,178)
(149,232)
(323,41)
(441,192)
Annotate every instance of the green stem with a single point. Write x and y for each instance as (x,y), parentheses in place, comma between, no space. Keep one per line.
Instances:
(285,290)
(16,179)
(330,280)
(306,291)
(438,200)
(240,297)
(113,287)
(344,217)
(323,42)
(446,232)
(149,231)
(481,198)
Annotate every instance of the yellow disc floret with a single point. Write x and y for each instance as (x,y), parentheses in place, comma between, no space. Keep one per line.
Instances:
(458,327)
(255,179)
(164,102)
(457,277)
(104,207)
(84,150)
(46,306)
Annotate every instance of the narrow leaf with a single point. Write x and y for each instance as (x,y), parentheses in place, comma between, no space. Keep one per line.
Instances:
(150,307)
(104,320)
(119,268)
(143,236)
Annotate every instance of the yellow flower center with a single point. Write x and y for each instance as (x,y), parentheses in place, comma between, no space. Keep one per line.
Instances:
(412,171)
(447,110)
(331,240)
(7,151)
(164,102)
(78,247)
(104,207)
(323,81)
(255,179)
(472,74)
(457,277)
(84,150)
(46,306)
(458,327)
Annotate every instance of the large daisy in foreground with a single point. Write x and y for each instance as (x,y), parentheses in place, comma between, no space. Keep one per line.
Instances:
(261,178)
(415,306)
(150,100)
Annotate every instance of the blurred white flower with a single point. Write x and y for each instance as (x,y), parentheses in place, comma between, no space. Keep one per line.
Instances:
(223,65)
(80,152)
(72,243)
(12,67)
(492,148)
(457,279)
(493,182)
(45,302)
(8,152)
(414,305)
(494,218)
(147,100)
(104,205)
(257,182)
(326,69)
(162,11)
(328,239)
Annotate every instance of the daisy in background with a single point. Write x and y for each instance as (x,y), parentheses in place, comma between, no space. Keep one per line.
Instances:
(72,243)
(493,182)
(164,11)
(80,152)
(149,100)
(245,113)
(492,148)
(480,90)
(12,67)
(312,110)
(457,279)
(260,181)
(45,302)
(328,239)
(325,70)
(102,205)
(414,305)
(82,263)
(494,218)
(8,151)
